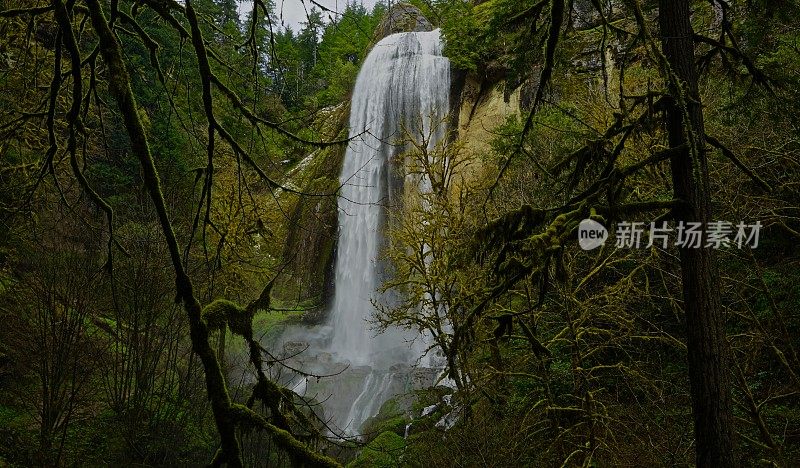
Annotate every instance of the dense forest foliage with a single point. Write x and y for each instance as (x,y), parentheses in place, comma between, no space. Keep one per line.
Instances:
(168,185)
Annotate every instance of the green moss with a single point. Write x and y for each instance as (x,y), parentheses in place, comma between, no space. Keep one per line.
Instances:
(240,322)
(223,312)
(390,408)
(392,417)
(215,314)
(396,425)
(385,451)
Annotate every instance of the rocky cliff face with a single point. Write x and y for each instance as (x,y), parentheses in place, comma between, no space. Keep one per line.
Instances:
(478,107)
(313,220)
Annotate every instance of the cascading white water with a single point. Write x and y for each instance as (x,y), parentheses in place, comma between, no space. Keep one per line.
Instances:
(404,82)
(403,79)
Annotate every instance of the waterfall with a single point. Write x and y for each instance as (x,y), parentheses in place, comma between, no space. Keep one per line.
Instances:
(404,81)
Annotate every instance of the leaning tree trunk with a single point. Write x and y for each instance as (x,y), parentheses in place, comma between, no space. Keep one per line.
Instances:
(707,345)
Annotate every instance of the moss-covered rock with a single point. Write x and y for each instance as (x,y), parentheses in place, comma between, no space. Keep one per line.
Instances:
(313,217)
(402,17)
(393,416)
(384,451)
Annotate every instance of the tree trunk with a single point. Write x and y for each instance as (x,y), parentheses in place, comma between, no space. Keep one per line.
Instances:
(221,348)
(707,345)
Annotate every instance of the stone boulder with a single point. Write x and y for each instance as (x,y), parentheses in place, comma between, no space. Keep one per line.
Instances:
(402,17)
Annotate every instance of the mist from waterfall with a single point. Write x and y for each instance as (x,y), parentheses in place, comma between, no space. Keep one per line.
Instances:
(404,82)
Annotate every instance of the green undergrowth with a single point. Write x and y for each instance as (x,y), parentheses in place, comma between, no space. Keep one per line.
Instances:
(267,326)
(16,435)
(384,452)
(273,321)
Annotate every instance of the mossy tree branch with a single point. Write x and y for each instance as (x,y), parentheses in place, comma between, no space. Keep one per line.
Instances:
(227,416)
(119,87)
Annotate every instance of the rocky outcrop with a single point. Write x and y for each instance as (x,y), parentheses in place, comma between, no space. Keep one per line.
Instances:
(313,220)
(402,17)
(480,107)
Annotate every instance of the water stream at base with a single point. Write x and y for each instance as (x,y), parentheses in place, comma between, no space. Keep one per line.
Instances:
(404,81)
